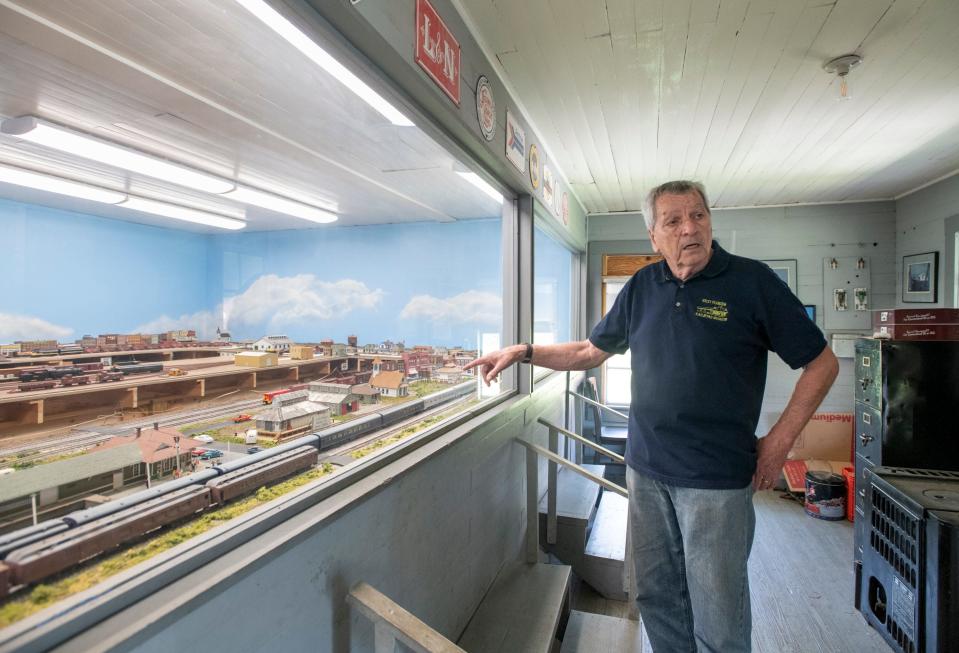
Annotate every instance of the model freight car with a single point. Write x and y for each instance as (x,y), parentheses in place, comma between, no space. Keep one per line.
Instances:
(36,385)
(140,368)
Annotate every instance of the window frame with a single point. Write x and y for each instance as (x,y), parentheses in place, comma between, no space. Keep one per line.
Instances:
(618,268)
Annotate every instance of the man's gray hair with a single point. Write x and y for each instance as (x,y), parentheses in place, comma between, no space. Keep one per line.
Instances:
(678,187)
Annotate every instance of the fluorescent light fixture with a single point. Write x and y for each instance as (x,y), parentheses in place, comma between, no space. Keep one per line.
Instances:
(181,213)
(272,202)
(275,21)
(482,184)
(30,128)
(58,185)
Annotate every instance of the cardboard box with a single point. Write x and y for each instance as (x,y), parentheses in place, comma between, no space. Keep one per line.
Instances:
(794,471)
(827,436)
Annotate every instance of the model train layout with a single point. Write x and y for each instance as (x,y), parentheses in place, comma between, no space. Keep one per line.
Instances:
(37,552)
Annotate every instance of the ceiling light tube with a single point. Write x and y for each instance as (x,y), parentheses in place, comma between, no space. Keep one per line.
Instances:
(482,184)
(58,185)
(275,21)
(181,213)
(41,132)
(272,202)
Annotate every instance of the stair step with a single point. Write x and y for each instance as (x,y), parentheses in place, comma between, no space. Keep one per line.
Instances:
(575,496)
(607,540)
(595,633)
(614,434)
(521,611)
(603,561)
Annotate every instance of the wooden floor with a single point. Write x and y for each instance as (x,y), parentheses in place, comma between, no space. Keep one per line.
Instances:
(802,583)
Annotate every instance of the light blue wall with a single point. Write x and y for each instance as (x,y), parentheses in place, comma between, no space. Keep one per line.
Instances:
(805,233)
(921,220)
(66,274)
(425,283)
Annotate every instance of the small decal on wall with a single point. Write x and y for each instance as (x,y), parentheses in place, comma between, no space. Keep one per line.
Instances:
(437,52)
(548,188)
(515,143)
(485,108)
(565,209)
(534,165)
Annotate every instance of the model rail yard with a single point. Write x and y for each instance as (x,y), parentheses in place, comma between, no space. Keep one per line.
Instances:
(45,377)
(51,547)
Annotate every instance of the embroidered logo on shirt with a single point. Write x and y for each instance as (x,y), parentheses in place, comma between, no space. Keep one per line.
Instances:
(713,309)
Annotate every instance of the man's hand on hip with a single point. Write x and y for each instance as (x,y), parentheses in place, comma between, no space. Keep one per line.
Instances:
(771,454)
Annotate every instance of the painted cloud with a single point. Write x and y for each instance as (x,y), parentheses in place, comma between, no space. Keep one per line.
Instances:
(24,327)
(278,302)
(472,306)
(301,298)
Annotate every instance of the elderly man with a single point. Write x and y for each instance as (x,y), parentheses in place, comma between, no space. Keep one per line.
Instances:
(698,326)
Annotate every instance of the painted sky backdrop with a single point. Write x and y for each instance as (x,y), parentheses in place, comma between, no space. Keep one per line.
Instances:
(67,274)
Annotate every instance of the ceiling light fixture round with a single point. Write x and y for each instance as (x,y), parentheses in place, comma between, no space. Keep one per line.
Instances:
(840,66)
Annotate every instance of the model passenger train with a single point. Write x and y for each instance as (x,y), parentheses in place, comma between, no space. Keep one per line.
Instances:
(31,554)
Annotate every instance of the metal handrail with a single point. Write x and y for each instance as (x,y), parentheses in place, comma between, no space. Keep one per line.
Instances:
(392,623)
(585,473)
(598,404)
(532,502)
(586,441)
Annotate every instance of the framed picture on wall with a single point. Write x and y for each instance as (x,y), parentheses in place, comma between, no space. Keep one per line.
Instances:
(920,276)
(785,269)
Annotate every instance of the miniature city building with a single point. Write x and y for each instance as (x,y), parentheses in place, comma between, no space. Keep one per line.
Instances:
(366,393)
(292,414)
(256,359)
(351,341)
(158,451)
(448,374)
(36,345)
(302,352)
(339,349)
(338,397)
(10,350)
(273,343)
(65,485)
(390,384)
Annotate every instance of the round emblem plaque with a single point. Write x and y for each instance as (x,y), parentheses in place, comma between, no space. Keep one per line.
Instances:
(485,108)
(534,165)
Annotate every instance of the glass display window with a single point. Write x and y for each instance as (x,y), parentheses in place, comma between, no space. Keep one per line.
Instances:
(210,253)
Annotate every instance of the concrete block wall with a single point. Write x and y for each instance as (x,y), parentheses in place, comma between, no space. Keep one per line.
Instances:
(431,534)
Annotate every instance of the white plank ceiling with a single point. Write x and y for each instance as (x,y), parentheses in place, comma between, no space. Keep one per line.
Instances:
(627,94)
(204,83)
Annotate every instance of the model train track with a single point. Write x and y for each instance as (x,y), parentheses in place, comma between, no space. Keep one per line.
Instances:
(88,437)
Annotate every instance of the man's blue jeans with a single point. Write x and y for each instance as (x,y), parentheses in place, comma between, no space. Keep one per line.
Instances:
(690,548)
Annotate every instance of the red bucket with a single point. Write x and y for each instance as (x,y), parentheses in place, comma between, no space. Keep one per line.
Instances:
(849,473)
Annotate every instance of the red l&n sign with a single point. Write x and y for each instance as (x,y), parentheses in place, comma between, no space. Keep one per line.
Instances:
(437,52)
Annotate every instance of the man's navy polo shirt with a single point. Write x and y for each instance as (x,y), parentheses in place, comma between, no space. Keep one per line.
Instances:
(698,351)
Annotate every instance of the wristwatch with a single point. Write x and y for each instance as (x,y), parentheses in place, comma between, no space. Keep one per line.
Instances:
(528,356)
